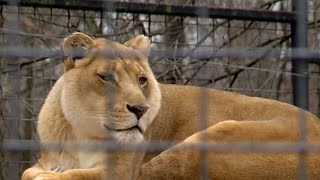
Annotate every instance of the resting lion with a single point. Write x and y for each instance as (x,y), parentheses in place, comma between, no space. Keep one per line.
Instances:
(115,97)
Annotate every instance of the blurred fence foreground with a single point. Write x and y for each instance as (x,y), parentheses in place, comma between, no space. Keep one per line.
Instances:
(265,48)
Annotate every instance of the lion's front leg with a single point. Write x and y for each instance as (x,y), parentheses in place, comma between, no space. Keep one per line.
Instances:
(74,174)
(32,172)
(37,170)
(51,176)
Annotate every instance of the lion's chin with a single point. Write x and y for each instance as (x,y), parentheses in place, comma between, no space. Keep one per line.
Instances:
(130,136)
(133,128)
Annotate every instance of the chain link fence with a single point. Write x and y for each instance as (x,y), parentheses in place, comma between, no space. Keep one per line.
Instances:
(242,46)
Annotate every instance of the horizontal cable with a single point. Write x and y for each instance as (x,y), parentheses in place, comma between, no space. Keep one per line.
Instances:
(258,147)
(312,56)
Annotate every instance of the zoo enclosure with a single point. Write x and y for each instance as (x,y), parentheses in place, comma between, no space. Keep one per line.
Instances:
(205,43)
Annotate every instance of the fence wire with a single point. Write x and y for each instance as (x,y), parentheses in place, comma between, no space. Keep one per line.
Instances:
(243,55)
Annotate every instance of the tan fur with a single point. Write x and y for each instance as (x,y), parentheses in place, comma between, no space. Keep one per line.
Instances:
(231,117)
(67,117)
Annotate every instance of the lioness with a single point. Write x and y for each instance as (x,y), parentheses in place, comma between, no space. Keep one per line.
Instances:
(100,97)
(116,97)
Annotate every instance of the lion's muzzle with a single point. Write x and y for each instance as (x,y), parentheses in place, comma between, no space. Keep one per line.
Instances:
(138,110)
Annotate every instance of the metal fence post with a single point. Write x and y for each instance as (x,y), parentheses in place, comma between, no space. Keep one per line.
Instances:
(299,43)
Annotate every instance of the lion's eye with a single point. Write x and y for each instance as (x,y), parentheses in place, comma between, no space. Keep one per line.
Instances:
(143,80)
(107,77)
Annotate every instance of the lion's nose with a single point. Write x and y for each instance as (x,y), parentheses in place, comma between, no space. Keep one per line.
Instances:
(138,110)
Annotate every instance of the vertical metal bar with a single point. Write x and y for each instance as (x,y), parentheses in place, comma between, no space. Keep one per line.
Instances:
(12,169)
(203,154)
(300,74)
(203,114)
(2,122)
(299,42)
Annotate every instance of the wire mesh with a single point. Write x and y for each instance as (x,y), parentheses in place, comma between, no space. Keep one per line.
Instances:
(185,51)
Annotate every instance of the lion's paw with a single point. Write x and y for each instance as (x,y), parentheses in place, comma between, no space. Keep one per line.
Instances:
(49,176)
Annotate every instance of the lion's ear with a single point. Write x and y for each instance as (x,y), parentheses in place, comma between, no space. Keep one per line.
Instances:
(140,43)
(76,46)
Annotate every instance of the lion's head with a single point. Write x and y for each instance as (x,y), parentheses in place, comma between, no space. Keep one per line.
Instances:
(109,89)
